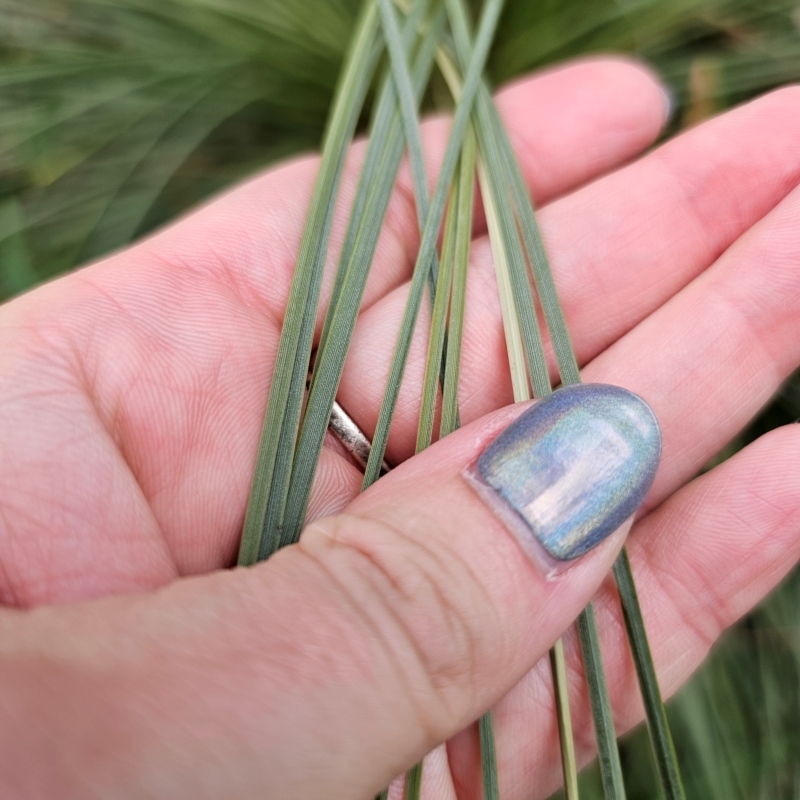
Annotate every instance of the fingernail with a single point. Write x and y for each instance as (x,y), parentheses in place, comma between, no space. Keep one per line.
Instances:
(573,468)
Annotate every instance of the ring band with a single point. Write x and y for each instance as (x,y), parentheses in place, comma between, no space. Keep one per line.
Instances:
(352,437)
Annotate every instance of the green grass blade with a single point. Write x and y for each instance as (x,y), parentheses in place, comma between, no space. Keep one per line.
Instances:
(607,750)
(378,180)
(517,269)
(414,782)
(383,117)
(455,246)
(408,111)
(288,384)
(410,118)
(366,50)
(491,790)
(511,327)
(489,18)
(496,176)
(660,736)
(568,368)
(505,241)
(542,274)
(569,764)
(606,738)
(436,341)
(455,331)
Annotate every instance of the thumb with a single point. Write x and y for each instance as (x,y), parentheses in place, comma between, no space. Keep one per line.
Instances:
(344,659)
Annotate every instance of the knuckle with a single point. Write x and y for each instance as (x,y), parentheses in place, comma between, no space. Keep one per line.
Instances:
(427,605)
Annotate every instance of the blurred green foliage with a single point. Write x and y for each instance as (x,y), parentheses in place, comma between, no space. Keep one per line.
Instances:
(116,115)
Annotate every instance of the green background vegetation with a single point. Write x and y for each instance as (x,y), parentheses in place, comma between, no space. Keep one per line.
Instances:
(116,115)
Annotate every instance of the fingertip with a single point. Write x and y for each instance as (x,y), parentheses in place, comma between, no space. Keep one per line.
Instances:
(609,108)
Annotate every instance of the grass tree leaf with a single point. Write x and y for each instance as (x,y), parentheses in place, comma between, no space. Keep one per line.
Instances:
(261,533)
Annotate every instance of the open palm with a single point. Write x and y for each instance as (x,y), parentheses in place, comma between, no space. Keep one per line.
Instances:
(132,394)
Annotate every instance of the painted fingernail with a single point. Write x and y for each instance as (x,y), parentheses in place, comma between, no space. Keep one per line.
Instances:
(573,468)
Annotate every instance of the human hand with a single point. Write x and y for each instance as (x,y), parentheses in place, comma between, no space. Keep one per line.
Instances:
(131,399)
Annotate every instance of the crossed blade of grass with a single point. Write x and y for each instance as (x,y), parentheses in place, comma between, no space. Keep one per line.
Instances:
(291,442)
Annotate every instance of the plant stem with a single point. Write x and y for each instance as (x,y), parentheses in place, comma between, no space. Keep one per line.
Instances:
(660,736)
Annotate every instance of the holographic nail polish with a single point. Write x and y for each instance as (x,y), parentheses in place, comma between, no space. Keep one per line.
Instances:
(573,468)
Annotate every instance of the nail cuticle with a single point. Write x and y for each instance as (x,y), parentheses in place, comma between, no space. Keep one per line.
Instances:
(571,470)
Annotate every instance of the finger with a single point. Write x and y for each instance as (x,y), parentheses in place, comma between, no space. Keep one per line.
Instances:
(713,356)
(620,248)
(703,559)
(600,113)
(326,671)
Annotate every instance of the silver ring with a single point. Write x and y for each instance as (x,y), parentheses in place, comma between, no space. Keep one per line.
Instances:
(352,437)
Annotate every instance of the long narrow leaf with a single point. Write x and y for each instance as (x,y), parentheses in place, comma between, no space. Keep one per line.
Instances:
(491,790)
(661,739)
(607,750)
(569,765)
(489,18)
(542,274)
(666,760)
(286,392)
(414,782)
(383,118)
(455,330)
(455,258)
(660,736)
(554,317)
(436,343)
(408,112)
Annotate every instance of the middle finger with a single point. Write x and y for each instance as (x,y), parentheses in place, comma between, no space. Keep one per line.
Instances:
(620,248)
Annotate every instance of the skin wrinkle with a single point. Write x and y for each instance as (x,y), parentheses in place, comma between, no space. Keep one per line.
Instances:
(420,700)
(446,564)
(438,676)
(9,594)
(234,281)
(39,593)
